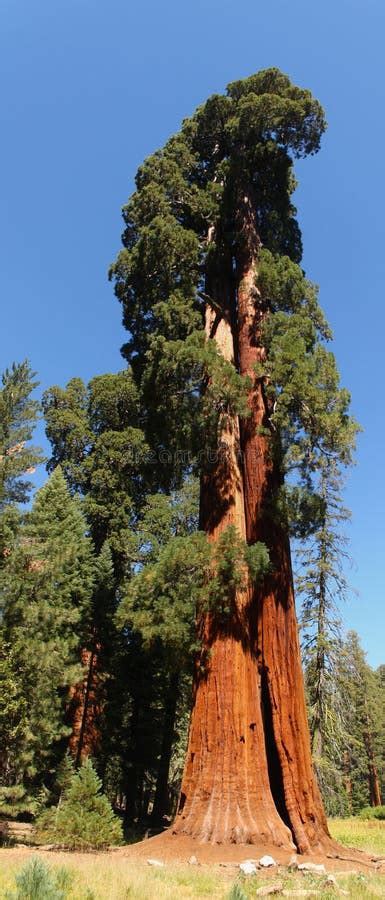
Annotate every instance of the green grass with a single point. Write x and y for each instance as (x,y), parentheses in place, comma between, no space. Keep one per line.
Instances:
(368,835)
(112,876)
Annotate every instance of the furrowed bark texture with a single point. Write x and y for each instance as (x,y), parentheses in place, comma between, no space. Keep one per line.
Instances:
(248,774)
(373,779)
(85,710)
(226,795)
(294,784)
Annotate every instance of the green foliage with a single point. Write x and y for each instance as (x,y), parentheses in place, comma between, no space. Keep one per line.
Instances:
(36,881)
(236,893)
(364,716)
(46,591)
(321,583)
(96,439)
(373,812)
(241,142)
(84,819)
(18,415)
(190,575)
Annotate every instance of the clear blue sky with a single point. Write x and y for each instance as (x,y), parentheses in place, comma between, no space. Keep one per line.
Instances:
(90,87)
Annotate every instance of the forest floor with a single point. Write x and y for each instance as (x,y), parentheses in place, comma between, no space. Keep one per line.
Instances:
(125,873)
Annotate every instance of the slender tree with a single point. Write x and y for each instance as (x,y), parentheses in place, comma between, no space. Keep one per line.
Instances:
(227,349)
(321,583)
(364,725)
(18,458)
(95,436)
(46,591)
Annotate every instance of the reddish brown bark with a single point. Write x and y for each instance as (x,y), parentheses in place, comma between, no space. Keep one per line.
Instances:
(249,774)
(348,780)
(226,795)
(294,784)
(85,709)
(374,783)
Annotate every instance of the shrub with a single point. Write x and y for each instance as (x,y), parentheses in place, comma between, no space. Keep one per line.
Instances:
(84,820)
(372,812)
(237,893)
(36,881)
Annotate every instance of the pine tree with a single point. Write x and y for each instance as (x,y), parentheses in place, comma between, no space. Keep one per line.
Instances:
(84,820)
(227,348)
(18,416)
(47,586)
(363,725)
(96,437)
(322,585)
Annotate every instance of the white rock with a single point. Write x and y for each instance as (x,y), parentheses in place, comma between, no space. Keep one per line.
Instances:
(248,867)
(267,861)
(155,862)
(312,867)
(193,861)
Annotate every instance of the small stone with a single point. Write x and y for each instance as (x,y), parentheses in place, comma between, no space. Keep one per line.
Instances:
(155,862)
(312,867)
(293,862)
(267,861)
(271,889)
(193,861)
(301,893)
(248,867)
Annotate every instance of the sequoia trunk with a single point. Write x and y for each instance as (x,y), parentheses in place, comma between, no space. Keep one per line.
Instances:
(85,709)
(294,786)
(226,795)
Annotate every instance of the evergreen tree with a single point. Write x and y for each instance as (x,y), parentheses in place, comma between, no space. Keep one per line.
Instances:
(380,719)
(227,348)
(361,762)
(321,582)
(18,416)
(97,440)
(46,591)
(84,820)
(96,437)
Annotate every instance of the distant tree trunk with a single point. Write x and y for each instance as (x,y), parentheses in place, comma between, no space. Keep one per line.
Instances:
(348,780)
(373,779)
(293,782)
(161,799)
(133,786)
(226,794)
(85,709)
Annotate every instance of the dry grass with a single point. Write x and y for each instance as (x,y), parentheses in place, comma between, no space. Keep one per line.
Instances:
(114,876)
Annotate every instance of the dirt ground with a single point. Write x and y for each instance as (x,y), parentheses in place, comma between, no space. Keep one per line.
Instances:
(179,848)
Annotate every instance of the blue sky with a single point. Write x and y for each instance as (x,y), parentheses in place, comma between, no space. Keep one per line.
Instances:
(91,87)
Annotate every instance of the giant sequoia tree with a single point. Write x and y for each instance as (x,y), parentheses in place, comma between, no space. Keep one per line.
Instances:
(227,348)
